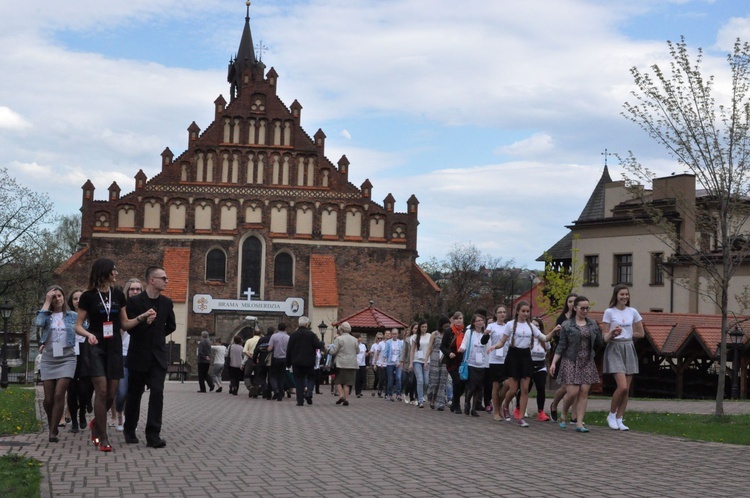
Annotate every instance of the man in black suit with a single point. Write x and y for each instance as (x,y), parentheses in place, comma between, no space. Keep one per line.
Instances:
(300,355)
(147,356)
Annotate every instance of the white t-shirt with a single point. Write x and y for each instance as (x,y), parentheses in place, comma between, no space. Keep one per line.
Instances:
(361,355)
(125,342)
(58,331)
(377,348)
(497,357)
(624,318)
(419,354)
(522,338)
(220,354)
(477,352)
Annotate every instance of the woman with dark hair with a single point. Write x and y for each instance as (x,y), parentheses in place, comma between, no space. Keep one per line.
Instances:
(420,341)
(474,346)
(564,315)
(58,363)
(521,334)
(438,375)
(408,381)
(620,325)
(579,338)
(452,339)
(103,305)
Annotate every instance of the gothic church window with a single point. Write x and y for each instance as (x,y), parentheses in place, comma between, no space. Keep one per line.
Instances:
(283,270)
(252,258)
(216,266)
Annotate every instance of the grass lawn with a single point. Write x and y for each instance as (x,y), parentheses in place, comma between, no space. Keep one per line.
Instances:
(19,476)
(732,429)
(17,411)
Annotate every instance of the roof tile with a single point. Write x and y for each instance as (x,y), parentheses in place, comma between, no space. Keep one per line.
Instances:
(372,318)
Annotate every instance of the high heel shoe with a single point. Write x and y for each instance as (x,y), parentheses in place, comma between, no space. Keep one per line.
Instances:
(94,440)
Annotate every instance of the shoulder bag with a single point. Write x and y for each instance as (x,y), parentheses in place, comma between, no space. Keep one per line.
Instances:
(463,368)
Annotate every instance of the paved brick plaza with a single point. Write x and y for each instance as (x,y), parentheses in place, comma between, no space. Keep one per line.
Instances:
(222,445)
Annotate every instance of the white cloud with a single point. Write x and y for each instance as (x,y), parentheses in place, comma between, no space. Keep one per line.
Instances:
(545,79)
(11,120)
(535,144)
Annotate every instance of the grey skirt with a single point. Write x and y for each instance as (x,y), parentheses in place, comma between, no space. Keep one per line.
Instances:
(620,357)
(60,367)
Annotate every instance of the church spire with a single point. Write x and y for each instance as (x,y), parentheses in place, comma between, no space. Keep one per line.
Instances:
(245,56)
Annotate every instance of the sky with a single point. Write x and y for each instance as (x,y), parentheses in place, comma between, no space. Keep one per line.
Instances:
(495,114)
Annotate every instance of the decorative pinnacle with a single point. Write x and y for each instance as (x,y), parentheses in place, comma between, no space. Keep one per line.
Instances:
(247,16)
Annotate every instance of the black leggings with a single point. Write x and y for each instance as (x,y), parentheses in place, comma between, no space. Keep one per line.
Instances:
(540,380)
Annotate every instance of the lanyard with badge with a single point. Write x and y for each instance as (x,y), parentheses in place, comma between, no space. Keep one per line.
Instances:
(107,327)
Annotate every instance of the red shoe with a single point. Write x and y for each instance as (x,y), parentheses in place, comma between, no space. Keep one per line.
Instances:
(517,413)
(94,440)
(105,447)
(542,417)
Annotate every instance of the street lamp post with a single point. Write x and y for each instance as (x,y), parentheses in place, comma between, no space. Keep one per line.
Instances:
(5,311)
(737,336)
(322,329)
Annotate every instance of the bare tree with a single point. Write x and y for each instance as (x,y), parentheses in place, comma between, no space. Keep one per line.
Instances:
(678,110)
(23,214)
(470,280)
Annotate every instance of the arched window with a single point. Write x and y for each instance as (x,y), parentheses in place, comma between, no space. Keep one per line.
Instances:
(216,266)
(283,270)
(252,258)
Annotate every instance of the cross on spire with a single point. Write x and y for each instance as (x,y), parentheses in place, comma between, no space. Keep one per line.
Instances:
(605,154)
(260,48)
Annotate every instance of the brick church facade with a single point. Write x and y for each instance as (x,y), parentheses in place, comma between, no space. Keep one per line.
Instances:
(254,210)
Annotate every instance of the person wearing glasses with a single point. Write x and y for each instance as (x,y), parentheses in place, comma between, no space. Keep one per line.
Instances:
(580,337)
(147,356)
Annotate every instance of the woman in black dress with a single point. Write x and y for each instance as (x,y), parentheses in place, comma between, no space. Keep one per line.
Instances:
(103,306)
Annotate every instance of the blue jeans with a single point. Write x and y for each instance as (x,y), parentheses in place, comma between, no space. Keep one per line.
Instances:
(391,371)
(122,388)
(423,379)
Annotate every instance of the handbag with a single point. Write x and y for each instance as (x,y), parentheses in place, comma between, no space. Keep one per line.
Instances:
(463,368)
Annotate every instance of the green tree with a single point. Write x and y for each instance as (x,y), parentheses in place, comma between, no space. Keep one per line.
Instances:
(676,107)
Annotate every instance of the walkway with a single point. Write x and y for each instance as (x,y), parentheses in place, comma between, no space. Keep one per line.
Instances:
(221,445)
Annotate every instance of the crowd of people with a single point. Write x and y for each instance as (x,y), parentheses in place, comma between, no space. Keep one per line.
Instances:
(103,346)
(488,365)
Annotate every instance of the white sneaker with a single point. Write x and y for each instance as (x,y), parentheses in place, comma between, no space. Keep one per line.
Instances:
(622,426)
(522,423)
(612,421)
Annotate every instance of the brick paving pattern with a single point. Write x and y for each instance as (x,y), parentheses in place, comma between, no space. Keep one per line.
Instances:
(221,445)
